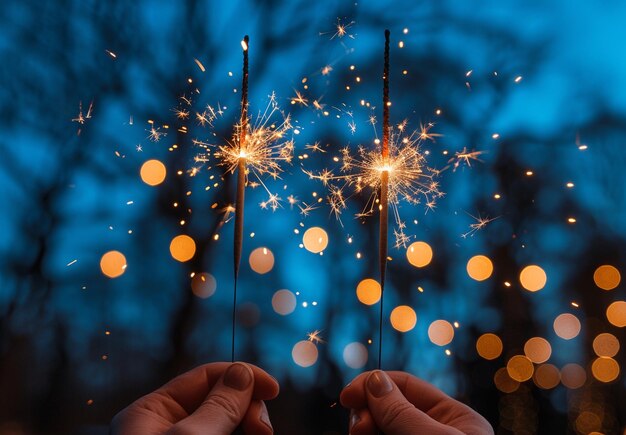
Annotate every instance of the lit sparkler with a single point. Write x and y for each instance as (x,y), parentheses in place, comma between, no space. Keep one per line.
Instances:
(257,149)
(397,172)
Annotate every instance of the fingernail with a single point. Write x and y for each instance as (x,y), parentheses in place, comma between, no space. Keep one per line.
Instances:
(379,384)
(237,376)
(265,419)
(354,419)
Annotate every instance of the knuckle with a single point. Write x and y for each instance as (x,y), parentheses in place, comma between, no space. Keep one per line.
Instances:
(180,429)
(226,405)
(397,413)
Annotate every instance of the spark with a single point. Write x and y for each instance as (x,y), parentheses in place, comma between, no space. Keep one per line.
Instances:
(155,133)
(478,225)
(326,70)
(80,118)
(341,30)
(315,337)
(465,156)
(318,105)
(299,99)
(305,209)
(200,65)
(110,53)
(410,180)
(581,146)
(292,200)
(139,148)
(71,262)
(181,113)
(315,147)
(425,133)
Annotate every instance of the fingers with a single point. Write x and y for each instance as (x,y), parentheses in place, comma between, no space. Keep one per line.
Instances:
(224,407)
(191,388)
(425,397)
(257,420)
(420,393)
(393,413)
(183,395)
(362,422)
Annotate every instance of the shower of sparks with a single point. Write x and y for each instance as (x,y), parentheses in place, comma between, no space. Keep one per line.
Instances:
(464,157)
(410,180)
(315,337)
(266,148)
(478,225)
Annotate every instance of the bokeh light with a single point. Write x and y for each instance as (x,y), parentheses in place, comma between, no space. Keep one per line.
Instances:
(368,291)
(616,313)
(520,368)
(203,285)
(547,376)
(182,248)
(261,260)
(605,369)
(479,267)
(315,240)
(489,346)
(284,302)
(588,422)
(441,332)
(504,382)
(355,355)
(419,254)
(533,278)
(567,326)
(403,318)
(304,353)
(538,350)
(607,277)
(113,264)
(606,345)
(573,376)
(153,172)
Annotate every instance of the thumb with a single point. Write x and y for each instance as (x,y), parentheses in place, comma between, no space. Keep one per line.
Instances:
(394,414)
(225,406)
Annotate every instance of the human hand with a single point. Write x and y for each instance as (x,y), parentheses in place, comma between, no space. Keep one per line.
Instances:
(213,399)
(401,404)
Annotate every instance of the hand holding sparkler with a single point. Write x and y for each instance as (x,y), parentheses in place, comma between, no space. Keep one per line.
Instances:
(401,404)
(214,398)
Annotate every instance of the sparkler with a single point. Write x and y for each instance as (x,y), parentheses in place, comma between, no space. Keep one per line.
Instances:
(384,190)
(255,149)
(396,172)
(241,184)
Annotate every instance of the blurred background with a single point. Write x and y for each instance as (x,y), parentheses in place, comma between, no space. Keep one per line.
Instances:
(101,301)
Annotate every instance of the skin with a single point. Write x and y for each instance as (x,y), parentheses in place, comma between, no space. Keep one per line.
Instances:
(401,404)
(219,398)
(205,400)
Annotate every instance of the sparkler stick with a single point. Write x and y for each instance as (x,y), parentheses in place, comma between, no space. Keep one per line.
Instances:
(241,185)
(384,206)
